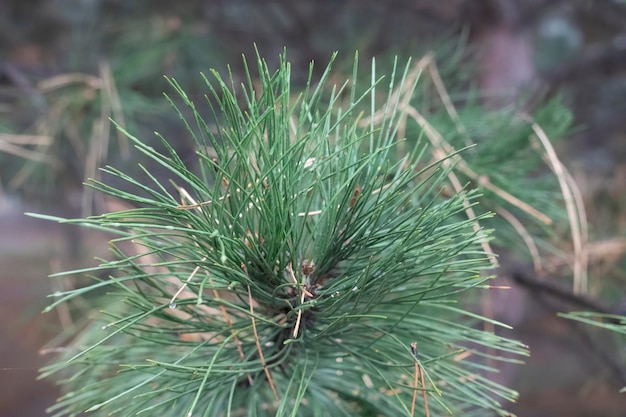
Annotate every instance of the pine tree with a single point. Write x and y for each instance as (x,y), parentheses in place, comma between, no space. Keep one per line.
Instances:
(311,266)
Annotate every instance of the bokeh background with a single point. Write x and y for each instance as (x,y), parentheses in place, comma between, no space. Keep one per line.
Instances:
(67,66)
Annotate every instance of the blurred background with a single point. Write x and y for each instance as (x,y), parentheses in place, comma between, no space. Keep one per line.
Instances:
(67,66)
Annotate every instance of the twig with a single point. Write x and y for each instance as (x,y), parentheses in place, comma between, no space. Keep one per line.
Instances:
(62,80)
(590,343)
(416,386)
(573,205)
(528,280)
(296,328)
(258,346)
(458,187)
(197,205)
(27,153)
(419,372)
(437,140)
(187,281)
(43,140)
(410,79)
(445,98)
(524,234)
(303,292)
(487,303)
(423,389)
(115,103)
(98,143)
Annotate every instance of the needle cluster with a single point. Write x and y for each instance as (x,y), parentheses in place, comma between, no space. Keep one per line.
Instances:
(295,272)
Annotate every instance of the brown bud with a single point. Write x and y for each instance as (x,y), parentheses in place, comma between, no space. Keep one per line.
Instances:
(308,267)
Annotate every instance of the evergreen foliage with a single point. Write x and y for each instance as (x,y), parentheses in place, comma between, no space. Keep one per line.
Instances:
(289,275)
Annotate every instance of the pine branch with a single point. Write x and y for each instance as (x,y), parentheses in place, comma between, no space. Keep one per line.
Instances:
(291,272)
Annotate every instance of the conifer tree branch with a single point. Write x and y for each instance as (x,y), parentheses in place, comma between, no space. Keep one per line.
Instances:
(294,267)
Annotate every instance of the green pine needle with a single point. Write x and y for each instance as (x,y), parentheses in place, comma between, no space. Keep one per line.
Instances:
(348,251)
